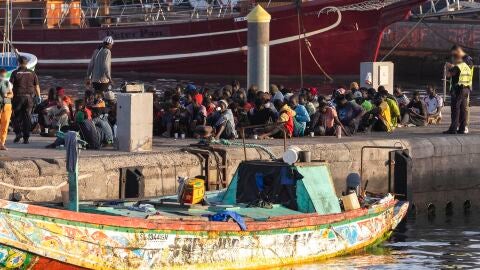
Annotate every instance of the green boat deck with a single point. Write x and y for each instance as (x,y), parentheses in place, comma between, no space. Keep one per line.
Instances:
(312,192)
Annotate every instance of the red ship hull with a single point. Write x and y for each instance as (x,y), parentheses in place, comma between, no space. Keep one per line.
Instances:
(339,41)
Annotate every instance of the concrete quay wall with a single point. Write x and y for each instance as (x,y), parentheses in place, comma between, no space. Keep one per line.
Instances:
(445,169)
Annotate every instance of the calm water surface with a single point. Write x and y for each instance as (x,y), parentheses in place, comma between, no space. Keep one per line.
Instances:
(419,243)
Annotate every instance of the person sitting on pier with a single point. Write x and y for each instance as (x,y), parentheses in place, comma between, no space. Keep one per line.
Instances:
(58,115)
(395,115)
(434,103)
(175,118)
(350,115)
(383,117)
(402,101)
(286,115)
(360,99)
(238,93)
(354,87)
(308,100)
(81,112)
(209,105)
(99,119)
(301,117)
(417,112)
(371,93)
(324,120)
(224,124)
(197,113)
(42,109)
(252,95)
(276,93)
(260,115)
(401,98)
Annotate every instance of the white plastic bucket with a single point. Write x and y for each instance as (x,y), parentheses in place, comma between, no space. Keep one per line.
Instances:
(290,156)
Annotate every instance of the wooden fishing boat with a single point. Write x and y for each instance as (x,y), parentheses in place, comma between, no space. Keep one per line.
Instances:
(303,223)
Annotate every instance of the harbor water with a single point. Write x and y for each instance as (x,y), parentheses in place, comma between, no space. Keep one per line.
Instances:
(440,242)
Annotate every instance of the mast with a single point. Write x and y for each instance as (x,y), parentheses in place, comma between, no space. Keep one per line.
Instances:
(7,34)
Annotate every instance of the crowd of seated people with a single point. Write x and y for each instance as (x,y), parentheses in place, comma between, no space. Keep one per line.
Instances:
(93,117)
(201,112)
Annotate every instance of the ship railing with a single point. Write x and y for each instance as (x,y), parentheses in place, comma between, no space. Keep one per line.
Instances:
(447,7)
(151,12)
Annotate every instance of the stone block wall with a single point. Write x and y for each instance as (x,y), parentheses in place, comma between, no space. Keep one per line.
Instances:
(445,169)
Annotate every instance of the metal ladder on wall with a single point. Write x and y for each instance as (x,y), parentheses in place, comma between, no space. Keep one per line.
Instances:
(218,157)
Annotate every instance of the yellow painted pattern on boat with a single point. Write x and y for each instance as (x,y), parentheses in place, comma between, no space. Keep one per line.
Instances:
(95,248)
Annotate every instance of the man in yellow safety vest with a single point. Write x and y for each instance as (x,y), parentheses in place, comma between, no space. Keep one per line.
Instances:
(461,78)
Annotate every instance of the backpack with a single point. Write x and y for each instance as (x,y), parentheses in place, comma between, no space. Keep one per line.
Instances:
(298,128)
(4,85)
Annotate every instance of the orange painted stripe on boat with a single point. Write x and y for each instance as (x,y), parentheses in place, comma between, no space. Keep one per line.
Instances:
(291,221)
(44,263)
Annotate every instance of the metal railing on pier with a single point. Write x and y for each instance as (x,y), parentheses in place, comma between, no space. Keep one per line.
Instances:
(435,8)
(146,11)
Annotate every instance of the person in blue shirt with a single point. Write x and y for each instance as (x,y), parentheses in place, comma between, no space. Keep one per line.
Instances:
(301,118)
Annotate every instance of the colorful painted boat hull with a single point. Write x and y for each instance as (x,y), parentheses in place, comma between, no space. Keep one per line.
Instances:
(339,41)
(43,235)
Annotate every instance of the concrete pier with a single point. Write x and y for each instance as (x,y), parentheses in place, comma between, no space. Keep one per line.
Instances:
(258,58)
(445,167)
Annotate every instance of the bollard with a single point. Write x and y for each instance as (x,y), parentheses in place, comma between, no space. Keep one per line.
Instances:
(71,145)
(258,60)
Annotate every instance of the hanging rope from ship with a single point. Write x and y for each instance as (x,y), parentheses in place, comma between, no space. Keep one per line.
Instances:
(362,6)
(303,35)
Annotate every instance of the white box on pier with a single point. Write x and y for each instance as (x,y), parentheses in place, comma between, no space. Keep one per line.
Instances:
(375,74)
(134,121)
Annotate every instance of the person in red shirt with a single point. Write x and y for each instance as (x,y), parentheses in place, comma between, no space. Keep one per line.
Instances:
(60,92)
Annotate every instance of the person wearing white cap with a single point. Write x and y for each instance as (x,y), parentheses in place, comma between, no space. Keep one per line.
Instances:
(224,123)
(99,73)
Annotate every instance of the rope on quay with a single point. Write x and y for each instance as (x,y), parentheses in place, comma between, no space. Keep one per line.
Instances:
(40,187)
(247,145)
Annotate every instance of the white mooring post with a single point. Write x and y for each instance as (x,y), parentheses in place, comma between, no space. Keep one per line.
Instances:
(258,59)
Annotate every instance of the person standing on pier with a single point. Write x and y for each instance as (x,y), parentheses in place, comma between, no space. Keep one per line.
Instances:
(99,73)
(461,76)
(6,94)
(26,92)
